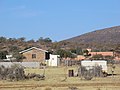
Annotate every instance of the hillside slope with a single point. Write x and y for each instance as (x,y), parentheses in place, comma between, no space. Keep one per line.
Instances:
(103,36)
(103,40)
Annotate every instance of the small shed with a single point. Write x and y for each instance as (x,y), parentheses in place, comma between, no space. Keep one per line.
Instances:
(54,60)
(91,63)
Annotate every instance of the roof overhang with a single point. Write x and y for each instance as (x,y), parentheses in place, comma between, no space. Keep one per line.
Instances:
(33,48)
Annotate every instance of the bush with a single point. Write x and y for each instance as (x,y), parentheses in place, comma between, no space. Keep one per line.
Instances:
(3,54)
(19,57)
(15,72)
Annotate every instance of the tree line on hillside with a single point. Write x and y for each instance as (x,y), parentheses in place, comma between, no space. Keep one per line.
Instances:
(64,49)
(13,46)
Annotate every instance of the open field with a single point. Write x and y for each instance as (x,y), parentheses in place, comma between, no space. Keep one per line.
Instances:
(55,80)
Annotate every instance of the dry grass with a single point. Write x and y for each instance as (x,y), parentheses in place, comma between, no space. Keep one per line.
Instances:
(55,80)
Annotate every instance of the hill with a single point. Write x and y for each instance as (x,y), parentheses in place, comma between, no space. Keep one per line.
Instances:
(100,38)
(103,40)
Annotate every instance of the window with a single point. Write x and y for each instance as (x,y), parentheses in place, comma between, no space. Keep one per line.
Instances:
(33,55)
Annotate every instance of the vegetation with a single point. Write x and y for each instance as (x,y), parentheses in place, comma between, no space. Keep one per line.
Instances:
(14,46)
(77,51)
(13,73)
(44,40)
(108,57)
(2,39)
(64,53)
(18,57)
(97,57)
(54,80)
(3,54)
(117,48)
(101,40)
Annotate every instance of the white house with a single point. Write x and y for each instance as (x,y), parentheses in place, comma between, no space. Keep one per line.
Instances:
(54,60)
(89,63)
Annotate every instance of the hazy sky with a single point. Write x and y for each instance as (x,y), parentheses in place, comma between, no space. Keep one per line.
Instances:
(57,19)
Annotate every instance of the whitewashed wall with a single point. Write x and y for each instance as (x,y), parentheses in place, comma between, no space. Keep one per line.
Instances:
(24,64)
(90,63)
(54,60)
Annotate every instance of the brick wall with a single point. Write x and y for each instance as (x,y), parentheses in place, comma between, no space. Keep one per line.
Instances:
(40,56)
(103,53)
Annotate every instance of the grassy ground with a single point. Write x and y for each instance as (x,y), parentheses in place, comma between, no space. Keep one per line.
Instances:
(56,80)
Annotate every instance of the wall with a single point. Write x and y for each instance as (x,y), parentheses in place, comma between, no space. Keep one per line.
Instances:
(54,60)
(89,63)
(40,56)
(103,53)
(24,64)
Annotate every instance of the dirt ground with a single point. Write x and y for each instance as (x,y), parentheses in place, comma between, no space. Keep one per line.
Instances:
(57,79)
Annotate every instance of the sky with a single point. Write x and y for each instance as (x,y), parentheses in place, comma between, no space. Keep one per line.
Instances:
(56,19)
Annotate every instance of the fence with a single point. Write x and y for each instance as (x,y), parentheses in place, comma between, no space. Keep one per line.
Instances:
(24,64)
(70,62)
(38,65)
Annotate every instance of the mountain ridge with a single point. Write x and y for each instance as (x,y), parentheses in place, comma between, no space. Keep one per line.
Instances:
(107,35)
(104,39)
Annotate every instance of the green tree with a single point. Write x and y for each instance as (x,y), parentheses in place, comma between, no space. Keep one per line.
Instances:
(22,39)
(3,39)
(77,51)
(14,49)
(40,39)
(3,54)
(64,54)
(31,41)
(12,40)
(44,40)
(47,40)
(74,51)
(56,45)
(19,57)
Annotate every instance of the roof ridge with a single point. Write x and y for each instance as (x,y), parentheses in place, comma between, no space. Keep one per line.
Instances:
(33,48)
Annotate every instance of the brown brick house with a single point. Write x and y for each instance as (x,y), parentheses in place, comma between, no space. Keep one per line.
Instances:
(34,54)
(115,54)
(102,53)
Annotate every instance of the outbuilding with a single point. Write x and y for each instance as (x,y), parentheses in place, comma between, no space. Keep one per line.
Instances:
(54,60)
(91,63)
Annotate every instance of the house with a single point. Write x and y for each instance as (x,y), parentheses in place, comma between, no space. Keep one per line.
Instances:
(102,53)
(116,55)
(54,60)
(91,63)
(34,54)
